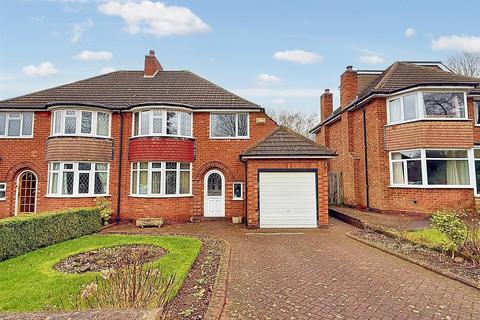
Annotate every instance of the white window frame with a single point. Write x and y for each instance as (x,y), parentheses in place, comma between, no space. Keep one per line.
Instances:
(76,172)
(21,136)
(421,106)
(78,124)
(473,176)
(476,112)
(236,137)
(241,190)
(164,123)
(423,159)
(163,179)
(3,187)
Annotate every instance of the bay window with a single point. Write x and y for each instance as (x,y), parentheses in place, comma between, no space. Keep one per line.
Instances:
(430,168)
(16,124)
(159,122)
(477,112)
(229,125)
(161,179)
(71,122)
(77,179)
(427,105)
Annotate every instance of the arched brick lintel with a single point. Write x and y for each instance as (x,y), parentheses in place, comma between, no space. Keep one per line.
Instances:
(20,166)
(213,165)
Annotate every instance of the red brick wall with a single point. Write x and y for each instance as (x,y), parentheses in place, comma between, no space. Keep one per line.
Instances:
(252,186)
(20,154)
(351,161)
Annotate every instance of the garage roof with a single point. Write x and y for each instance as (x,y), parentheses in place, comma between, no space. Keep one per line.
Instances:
(284,142)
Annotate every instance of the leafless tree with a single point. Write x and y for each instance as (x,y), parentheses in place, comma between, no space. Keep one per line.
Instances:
(465,63)
(300,122)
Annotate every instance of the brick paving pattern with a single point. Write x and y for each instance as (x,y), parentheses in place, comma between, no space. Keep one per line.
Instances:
(322,274)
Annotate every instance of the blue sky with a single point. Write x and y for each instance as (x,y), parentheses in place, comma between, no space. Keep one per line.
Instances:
(280,54)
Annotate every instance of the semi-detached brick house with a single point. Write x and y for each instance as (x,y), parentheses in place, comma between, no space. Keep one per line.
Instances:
(157,143)
(408,137)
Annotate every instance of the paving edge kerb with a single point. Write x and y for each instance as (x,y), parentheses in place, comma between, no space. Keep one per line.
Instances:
(423,264)
(219,294)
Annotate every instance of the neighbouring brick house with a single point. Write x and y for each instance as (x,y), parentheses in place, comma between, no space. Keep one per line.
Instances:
(407,138)
(157,143)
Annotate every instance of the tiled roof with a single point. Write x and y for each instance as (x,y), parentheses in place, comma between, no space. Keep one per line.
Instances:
(402,75)
(286,142)
(123,89)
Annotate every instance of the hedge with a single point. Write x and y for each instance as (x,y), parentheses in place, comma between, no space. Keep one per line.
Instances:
(22,234)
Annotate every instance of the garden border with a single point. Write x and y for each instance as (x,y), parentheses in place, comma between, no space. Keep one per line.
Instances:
(422,264)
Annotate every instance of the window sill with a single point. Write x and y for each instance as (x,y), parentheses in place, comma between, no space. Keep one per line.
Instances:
(78,136)
(160,196)
(16,137)
(229,138)
(433,187)
(428,119)
(237,199)
(77,196)
(160,136)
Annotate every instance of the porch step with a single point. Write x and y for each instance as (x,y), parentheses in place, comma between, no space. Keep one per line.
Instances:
(215,219)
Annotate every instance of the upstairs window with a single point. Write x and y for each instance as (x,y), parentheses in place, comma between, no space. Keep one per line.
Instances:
(427,105)
(16,124)
(159,122)
(477,113)
(80,123)
(229,125)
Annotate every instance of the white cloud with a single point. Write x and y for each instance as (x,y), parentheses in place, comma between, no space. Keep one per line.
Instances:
(79,29)
(460,43)
(372,59)
(106,70)
(44,69)
(410,32)
(264,79)
(279,101)
(154,17)
(298,56)
(94,55)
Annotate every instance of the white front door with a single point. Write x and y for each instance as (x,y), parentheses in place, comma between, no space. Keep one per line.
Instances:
(214,186)
(288,200)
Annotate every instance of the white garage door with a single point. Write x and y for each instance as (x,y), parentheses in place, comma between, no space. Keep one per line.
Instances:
(288,200)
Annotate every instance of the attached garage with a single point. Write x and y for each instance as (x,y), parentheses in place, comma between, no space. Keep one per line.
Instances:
(288,199)
(287,181)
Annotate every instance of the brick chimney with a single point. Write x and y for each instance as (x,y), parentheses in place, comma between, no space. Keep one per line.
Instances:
(152,66)
(326,104)
(348,87)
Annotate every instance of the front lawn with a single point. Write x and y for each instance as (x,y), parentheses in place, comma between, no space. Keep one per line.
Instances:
(29,282)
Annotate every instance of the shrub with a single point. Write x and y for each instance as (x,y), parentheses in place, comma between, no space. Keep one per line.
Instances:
(133,285)
(451,225)
(105,208)
(19,235)
(471,246)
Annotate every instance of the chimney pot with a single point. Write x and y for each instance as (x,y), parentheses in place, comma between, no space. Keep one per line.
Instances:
(349,68)
(151,52)
(327,90)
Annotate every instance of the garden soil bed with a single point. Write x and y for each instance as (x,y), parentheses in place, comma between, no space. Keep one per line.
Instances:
(426,257)
(107,258)
(191,302)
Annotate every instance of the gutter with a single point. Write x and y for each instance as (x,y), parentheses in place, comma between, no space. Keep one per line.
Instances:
(119,178)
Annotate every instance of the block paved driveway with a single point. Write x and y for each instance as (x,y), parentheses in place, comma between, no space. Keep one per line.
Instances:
(323,274)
